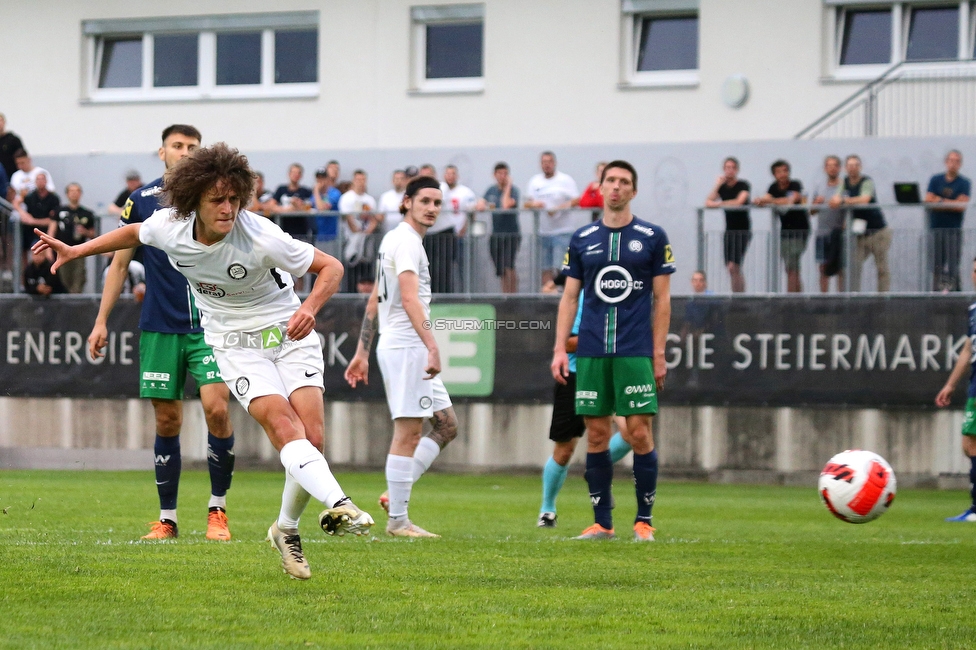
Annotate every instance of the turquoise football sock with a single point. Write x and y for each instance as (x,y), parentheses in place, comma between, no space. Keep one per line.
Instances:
(618,447)
(553,477)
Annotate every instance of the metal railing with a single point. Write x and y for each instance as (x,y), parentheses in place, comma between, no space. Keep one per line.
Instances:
(914,257)
(480,261)
(916,99)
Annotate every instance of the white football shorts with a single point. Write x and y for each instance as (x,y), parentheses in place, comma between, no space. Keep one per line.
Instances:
(256,372)
(408,394)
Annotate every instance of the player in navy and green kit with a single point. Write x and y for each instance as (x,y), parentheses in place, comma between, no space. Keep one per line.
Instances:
(171,345)
(619,262)
(966,360)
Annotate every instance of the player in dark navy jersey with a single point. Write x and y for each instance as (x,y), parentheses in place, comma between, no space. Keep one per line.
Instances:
(171,345)
(966,361)
(620,263)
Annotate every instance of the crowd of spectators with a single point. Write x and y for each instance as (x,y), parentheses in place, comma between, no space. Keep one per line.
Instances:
(332,208)
(832,200)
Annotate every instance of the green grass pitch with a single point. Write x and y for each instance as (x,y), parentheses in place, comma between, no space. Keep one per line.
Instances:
(734,566)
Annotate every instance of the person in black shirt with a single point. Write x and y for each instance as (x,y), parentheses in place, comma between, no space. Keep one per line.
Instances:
(74,225)
(9,145)
(133,181)
(794,224)
(39,279)
(873,236)
(36,211)
(291,198)
(730,191)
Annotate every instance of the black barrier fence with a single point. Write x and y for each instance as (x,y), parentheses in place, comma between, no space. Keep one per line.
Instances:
(746,351)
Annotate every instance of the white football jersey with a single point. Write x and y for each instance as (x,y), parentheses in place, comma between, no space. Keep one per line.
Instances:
(402,249)
(242,283)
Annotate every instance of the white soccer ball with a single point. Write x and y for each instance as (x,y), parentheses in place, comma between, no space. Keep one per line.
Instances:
(857,486)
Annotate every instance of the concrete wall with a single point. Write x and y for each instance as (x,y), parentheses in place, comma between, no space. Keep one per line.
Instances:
(784,445)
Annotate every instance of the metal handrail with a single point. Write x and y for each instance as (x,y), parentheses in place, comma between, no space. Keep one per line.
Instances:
(850,101)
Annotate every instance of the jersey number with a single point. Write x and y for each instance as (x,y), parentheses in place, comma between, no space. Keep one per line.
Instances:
(381,290)
(277,278)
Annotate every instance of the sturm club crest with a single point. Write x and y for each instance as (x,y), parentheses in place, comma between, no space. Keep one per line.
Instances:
(635,246)
(241,386)
(425,402)
(237,271)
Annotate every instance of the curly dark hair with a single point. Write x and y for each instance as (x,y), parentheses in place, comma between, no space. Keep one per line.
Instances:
(188,182)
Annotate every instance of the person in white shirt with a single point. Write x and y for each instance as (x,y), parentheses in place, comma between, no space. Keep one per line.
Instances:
(389,204)
(24,180)
(459,202)
(239,265)
(359,228)
(554,192)
(409,359)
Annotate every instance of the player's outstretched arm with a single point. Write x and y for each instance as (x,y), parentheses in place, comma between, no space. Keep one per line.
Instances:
(410,297)
(568,305)
(358,368)
(660,326)
(944,398)
(118,271)
(329,271)
(125,237)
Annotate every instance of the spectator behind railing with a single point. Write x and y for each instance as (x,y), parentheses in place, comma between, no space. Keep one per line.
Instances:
(294,197)
(440,242)
(24,180)
(5,192)
(459,201)
(262,201)
(360,223)
(10,144)
(503,199)
(428,170)
(390,200)
(74,224)
(325,198)
(830,226)
(39,279)
(730,191)
(868,225)
(794,224)
(554,192)
(37,210)
(591,197)
(133,181)
(950,192)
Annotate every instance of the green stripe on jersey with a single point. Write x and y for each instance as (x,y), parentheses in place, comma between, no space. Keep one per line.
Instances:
(610,331)
(615,247)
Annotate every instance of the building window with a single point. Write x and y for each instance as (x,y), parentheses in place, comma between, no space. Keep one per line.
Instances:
(659,43)
(870,35)
(668,44)
(867,37)
(120,62)
(203,57)
(448,48)
(933,34)
(238,58)
(175,60)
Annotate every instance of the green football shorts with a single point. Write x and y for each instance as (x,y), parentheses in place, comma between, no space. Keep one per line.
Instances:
(621,385)
(969,424)
(164,360)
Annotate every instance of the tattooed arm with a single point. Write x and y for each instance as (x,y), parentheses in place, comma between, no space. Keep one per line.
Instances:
(358,369)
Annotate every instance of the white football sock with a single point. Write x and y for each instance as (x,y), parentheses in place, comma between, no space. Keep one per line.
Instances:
(167,514)
(218,502)
(294,498)
(424,456)
(308,466)
(399,481)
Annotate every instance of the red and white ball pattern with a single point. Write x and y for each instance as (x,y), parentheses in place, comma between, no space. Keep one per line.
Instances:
(857,486)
